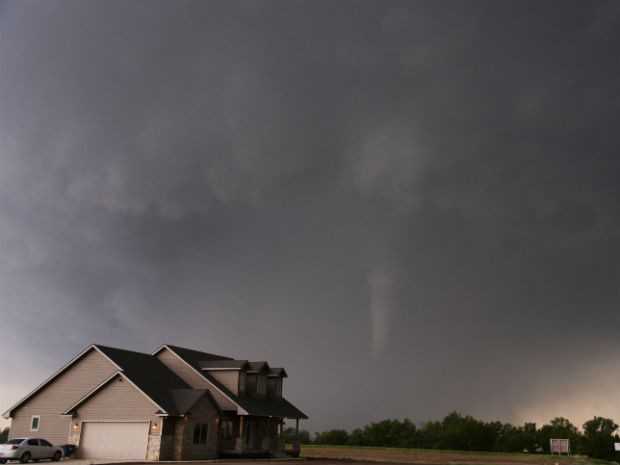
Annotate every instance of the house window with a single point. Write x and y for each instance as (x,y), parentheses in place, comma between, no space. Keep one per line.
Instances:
(226,429)
(35,421)
(201,431)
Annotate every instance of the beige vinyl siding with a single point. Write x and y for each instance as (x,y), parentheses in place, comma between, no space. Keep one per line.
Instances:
(69,387)
(118,400)
(191,377)
(228,378)
(182,369)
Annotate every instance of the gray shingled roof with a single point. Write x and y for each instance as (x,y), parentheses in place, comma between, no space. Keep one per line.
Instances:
(260,407)
(169,391)
(270,407)
(150,375)
(185,399)
(277,372)
(196,354)
(257,366)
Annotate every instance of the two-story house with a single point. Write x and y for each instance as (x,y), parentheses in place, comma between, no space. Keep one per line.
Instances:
(174,404)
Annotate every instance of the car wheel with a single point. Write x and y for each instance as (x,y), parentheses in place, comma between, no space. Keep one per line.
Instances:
(3,460)
(57,456)
(25,458)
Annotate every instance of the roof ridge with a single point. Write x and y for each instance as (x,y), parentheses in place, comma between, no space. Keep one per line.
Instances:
(195,351)
(102,346)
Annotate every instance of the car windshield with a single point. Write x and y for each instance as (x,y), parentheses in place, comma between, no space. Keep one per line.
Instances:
(15,441)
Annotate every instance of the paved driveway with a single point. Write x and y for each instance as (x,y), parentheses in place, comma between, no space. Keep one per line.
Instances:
(203,462)
(206,462)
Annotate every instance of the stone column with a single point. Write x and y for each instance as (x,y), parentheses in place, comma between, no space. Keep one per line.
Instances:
(74,432)
(154,441)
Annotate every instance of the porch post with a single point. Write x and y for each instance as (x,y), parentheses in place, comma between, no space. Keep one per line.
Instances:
(240,440)
(296,446)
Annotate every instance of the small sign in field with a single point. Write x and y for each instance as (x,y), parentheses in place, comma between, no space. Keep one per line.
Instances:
(559,446)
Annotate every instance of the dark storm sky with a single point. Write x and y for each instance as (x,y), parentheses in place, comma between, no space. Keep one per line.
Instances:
(412,206)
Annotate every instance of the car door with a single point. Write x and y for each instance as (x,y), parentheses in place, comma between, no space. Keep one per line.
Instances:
(32,446)
(47,450)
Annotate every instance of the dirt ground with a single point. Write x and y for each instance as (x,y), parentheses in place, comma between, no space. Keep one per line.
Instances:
(374,456)
(325,455)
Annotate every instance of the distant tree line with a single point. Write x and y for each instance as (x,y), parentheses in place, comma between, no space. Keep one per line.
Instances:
(463,432)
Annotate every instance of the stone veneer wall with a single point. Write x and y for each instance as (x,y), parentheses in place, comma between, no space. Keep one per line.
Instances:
(154,446)
(178,439)
(74,433)
(166,451)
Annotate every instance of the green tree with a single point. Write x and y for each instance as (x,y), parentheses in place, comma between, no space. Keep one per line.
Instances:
(430,436)
(335,437)
(357,438)
(559,428)
(4,435)
(387,433)
(510,438)
(466,433)
(288,435)
(598,437)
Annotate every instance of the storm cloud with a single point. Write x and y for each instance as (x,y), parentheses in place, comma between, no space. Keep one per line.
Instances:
(412,206)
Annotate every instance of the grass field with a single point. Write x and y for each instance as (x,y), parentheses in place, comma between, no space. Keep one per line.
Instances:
(440,457)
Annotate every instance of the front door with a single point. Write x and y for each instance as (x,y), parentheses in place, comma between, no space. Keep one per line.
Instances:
(34,449)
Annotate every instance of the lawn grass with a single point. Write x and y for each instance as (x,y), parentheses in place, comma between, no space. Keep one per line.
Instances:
(441,457)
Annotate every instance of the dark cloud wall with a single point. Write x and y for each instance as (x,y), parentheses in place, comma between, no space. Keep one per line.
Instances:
(410,205)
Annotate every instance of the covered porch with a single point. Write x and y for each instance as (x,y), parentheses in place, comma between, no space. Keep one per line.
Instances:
(251,435)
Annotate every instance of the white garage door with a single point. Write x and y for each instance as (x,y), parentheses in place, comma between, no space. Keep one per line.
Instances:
(114,440)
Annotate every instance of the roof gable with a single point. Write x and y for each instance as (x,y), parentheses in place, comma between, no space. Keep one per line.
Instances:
(258,367)
(277,373)
(186,399)
(57,374)
(165,389)
(246,405)
(193,359)
(99,388)
(149,375)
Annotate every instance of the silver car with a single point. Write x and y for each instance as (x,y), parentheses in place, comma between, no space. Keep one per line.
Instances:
(27,449)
